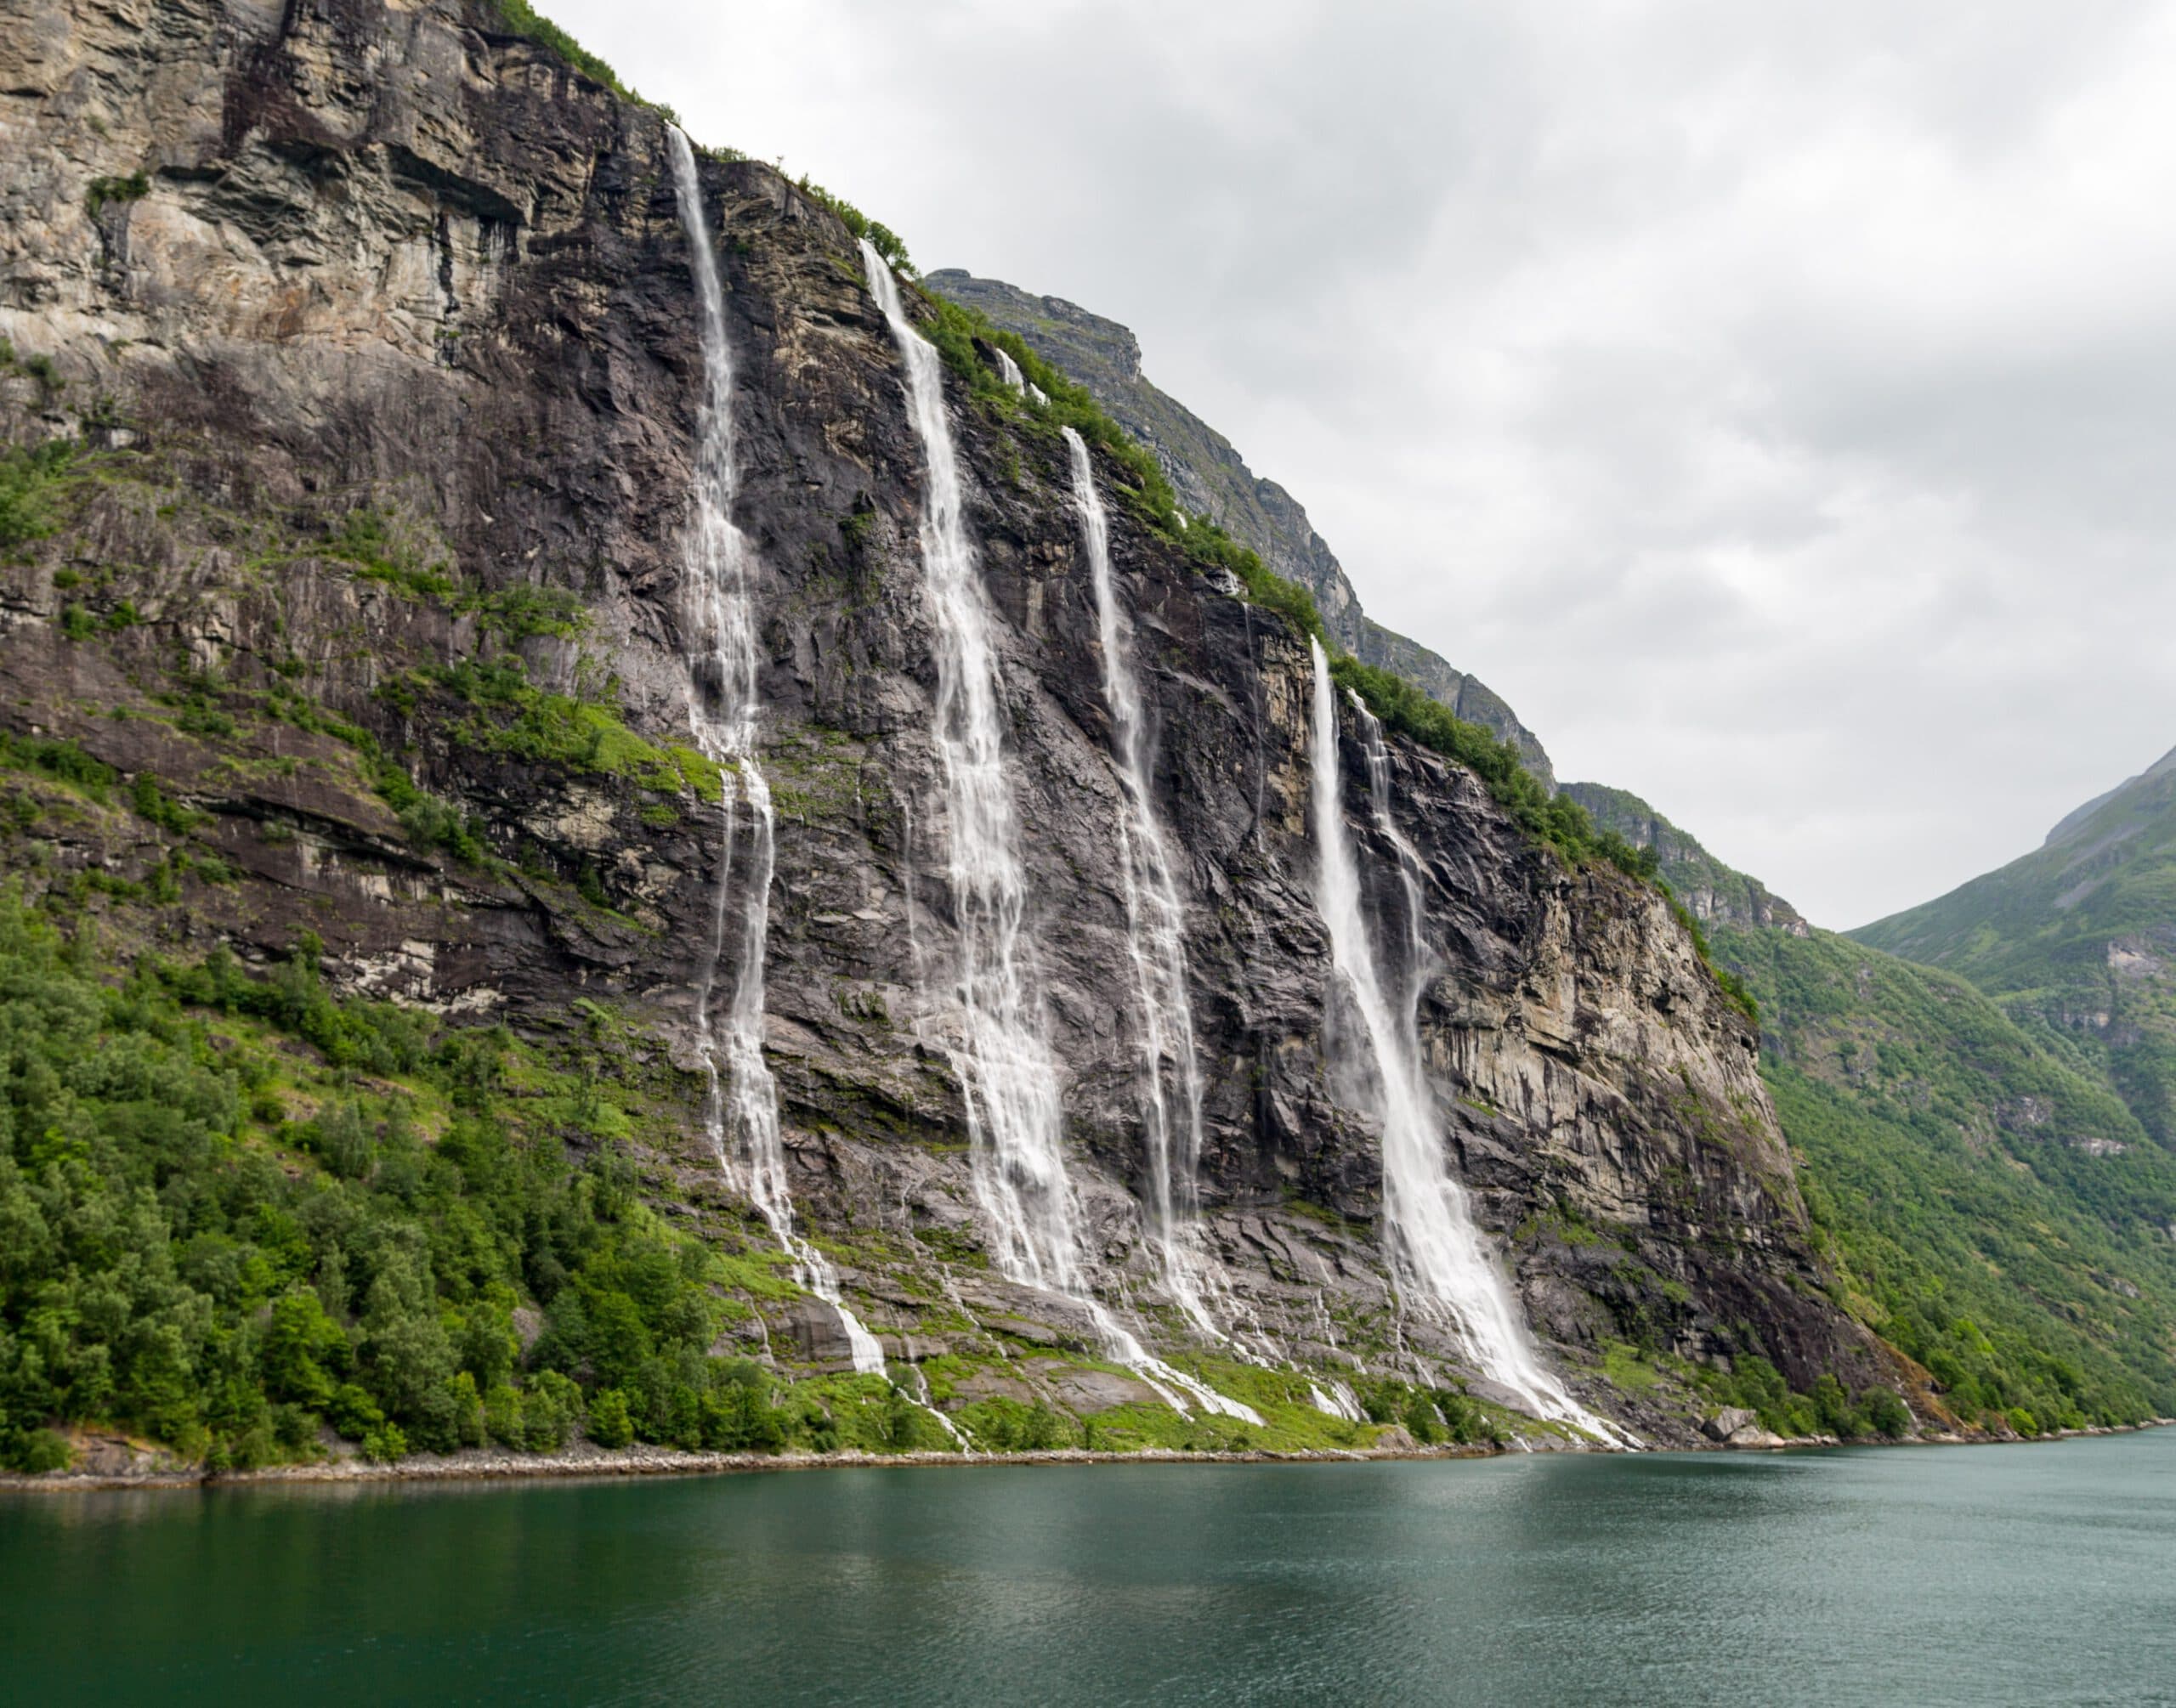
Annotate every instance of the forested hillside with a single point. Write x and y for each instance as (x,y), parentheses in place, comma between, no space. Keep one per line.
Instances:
(2077,938)
(2001,1214)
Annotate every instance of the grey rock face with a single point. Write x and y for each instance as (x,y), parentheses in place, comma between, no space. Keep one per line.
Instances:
(391,261)
(1212,479)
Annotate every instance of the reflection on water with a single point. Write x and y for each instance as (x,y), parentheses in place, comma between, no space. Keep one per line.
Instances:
(2023,1574)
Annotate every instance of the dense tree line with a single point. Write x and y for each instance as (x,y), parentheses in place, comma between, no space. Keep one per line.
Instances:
(185,1253)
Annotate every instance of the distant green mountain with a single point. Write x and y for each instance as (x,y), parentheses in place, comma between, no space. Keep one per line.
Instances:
(2001,1214)
(2078,937)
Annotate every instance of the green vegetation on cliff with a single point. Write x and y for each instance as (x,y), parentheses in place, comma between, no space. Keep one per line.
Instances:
(2003,1214)
(1995,1211)
(1214,480)
(236,1211)
(26,476)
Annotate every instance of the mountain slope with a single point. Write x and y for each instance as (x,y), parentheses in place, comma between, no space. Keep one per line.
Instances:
(2006,1218)
(1213,480)
(2078,936)
(366,877)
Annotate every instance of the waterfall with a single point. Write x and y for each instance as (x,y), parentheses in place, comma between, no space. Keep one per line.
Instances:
(1155,921)
(741,1110)
(1007,1072)
(1009,371)
(1008,1077)
(1434,1248)
(1336,1401)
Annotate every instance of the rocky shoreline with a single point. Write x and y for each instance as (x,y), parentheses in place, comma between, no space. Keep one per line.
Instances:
(493,1465)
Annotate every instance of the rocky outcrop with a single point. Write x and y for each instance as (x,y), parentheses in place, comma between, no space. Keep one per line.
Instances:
(1212,479)
(388,367)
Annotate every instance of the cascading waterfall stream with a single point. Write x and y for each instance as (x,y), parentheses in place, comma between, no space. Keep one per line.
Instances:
(1007,1075)
(741,1111)
(1155,920)
(1433,1245)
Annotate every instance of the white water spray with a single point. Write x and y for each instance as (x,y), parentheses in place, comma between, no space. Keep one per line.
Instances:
(1007,1074)
(1155,921)
(1435,1250)
(1336,1401)
(741,1110)
(1009,371)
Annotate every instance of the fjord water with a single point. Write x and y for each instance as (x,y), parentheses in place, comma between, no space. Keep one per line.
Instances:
(2030,1574)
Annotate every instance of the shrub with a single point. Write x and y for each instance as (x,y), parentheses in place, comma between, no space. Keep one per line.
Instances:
(1886,1413)
(354,1413)
(26,478)
(609,1422)
(34,1451)
(155,805)
(552,1411)
(385,1444)
(61,761)
(342,1138)
(502,1416)
(102,190)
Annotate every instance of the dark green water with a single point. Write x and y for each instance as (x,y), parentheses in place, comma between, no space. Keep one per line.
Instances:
(2027,1575)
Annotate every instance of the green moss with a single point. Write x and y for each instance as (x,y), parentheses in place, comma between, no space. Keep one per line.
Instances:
(956,1247)
(512,716)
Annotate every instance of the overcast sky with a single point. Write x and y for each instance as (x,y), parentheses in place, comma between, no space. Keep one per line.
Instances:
(1776,403)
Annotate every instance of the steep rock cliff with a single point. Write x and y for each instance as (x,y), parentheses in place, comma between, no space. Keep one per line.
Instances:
(376,325)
